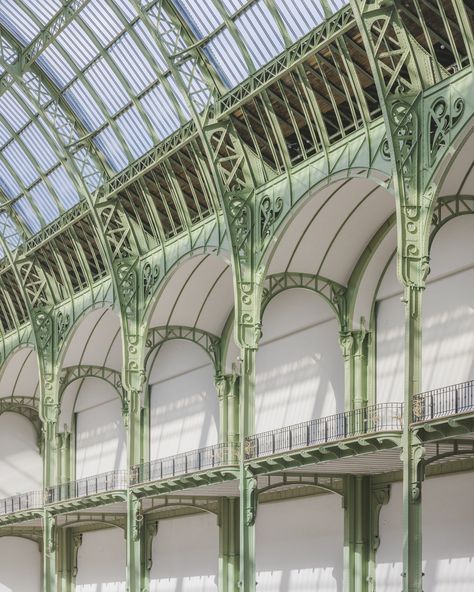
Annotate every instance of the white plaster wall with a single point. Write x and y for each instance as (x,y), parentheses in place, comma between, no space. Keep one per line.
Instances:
(20,461)
(448,316)
(101,562)
(389,554)
(100,433)
(300,371)
(184,411)
(15,554)
(300,545)
(448,544)
(185,555)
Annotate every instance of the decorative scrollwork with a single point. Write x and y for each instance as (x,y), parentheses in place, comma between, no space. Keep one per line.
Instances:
(240,226)
(270,211)
(441,120)
(151,273)
(63,323)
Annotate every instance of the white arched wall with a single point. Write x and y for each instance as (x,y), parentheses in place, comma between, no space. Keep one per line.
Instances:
(20,565)
(447,319)
(100,439)
(19,374)
(21,465)
(300,545)
(448,307)
(300,371)
(101,561)
(184,412)
(448,545)
(185,555)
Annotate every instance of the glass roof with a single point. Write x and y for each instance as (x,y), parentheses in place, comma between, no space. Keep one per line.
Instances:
(105,76)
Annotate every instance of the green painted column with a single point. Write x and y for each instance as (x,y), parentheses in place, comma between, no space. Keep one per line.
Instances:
(356,532)
(412,451)
(229,558)
(135,572)
(49,552)
(379,496)
(248,483)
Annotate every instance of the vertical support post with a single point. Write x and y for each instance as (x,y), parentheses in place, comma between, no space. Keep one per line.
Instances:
(248,483)
(356,532)
(49,552)
(228,545)
(379,496)
(412,451)
(135,572)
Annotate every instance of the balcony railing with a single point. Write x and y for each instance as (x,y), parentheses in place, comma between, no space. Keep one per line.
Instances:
(210,457)
(375,418)
(103,483)
(444,401)
(19,503)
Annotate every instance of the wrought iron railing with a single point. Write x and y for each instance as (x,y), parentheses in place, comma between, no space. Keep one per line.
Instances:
(375,418)
(19,503)
(443,402)
(187,462)
(111,481)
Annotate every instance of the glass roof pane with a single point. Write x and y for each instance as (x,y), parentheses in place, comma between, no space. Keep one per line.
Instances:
(102,21)
(78,45)
(150,45)
(20,163)
(57,68)
(63,187)
(161,112)
(109,144)
(27,214)
(227,58)
(260,33)
(38,146)
(84,105)
(132,63)
(300,17)
(8,183)
(107,86)
(45,10)
(10,108)
(134,132)
(10,233)
(202,17)
(44,202)
(16,19)
(126,8)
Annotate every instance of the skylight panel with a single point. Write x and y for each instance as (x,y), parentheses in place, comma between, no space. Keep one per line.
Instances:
(17,20)
(110,146)
(12,111)
(132,63)
(20,163)
(44,202)
(233,6)
(260,33)
(150,45)
(107,86)
(300,17)
(126,8)
(134,132)
(46,9)
(57,68)
(202,17)
(4,135)
(10,232)
(227,58)
(78,45)
(27,214)
(8,183)
(39,147)
(63,187)
(85,105)
(102,21)
(160,111)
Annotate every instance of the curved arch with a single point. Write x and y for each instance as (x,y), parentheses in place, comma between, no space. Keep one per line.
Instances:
(182,505)
(279,226)
(28,407)
(446,209)
(210,343)
(332,292)
(285,484)
(73,373)
(100,519)
(159,287)
(14,350)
